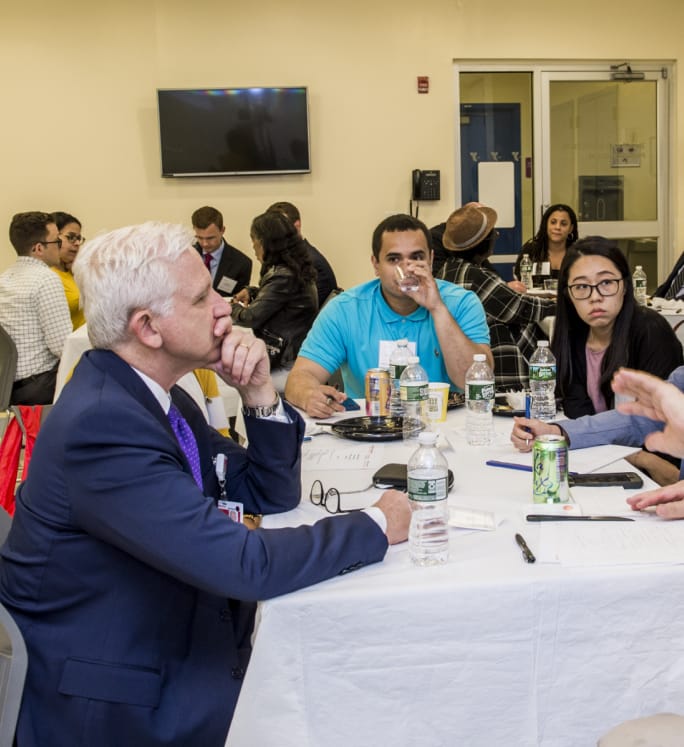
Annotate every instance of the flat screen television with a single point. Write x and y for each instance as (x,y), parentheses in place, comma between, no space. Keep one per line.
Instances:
(233,131)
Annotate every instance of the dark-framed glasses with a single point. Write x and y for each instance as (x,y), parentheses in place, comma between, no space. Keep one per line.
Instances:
(330,498)
(583,291)
(74,238)
(56,241)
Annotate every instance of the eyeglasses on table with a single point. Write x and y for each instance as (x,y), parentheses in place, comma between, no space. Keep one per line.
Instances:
(330,498)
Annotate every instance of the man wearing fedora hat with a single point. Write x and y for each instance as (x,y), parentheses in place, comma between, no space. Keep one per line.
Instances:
(469,238)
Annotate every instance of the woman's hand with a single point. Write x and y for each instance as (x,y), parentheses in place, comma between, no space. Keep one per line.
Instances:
(525,430)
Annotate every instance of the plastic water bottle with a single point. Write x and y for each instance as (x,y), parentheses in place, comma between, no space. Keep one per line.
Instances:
(415,393)
(543,382)
(526,271)
(639,279)
(397,363)
(428,486)
(479,391)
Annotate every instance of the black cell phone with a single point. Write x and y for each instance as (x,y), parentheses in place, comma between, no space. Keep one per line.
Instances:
(628,480)
(394,476)
(350,404)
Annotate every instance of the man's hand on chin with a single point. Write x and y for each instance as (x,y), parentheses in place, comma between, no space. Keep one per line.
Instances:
(244,364)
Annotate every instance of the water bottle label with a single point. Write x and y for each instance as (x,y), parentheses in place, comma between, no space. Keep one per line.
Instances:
(396,370)
(542,373)
(433,489)
(415,392)
(476,392)
(639,284)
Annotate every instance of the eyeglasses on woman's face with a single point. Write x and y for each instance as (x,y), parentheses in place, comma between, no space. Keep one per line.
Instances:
(583,291)
(74,238)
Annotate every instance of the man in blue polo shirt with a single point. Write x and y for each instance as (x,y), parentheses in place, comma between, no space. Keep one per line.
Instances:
(357,330)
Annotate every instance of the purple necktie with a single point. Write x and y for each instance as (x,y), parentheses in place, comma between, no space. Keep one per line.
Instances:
(207,261)
(186,439)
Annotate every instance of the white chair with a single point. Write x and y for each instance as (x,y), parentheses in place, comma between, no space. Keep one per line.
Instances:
(8,367)
(13,664)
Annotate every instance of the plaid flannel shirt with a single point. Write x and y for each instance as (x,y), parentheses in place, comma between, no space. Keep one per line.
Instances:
(512,318)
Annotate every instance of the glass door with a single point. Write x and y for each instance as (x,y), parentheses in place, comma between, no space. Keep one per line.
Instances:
(604,143)
(530,135)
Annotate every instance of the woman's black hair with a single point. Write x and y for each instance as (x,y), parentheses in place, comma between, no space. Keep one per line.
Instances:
(570,330)
(63,219)
(538,247)
(282,245)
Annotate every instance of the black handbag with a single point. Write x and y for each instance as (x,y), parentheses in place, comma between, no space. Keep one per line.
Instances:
(275,346)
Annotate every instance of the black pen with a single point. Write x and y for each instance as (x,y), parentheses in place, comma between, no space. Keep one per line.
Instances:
(527,553)
(574,517)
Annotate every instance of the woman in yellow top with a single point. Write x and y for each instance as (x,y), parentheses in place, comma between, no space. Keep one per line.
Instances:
(70,233)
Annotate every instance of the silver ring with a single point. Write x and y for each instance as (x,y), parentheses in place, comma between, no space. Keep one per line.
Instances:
(527,442)
(330,399)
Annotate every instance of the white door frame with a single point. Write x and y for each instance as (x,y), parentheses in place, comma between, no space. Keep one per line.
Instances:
(663,228)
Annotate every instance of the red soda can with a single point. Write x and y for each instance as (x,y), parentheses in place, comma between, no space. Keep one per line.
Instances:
(377,392)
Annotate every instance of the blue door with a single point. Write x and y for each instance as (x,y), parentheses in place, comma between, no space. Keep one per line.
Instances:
(491,132)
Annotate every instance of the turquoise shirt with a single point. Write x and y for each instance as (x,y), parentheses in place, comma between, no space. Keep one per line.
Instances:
(348,331)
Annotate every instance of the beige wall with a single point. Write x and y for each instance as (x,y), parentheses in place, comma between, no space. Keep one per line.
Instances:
(79,129)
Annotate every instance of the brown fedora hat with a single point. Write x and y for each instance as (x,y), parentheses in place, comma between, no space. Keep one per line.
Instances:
(468,226)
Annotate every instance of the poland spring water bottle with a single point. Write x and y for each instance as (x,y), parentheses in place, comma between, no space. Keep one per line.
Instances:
(428,486)
(479,391)
(543,382)
(639,279)
(526,271)
(415,392)
(397,363)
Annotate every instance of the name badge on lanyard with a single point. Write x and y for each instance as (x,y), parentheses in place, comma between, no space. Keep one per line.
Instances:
(233,509)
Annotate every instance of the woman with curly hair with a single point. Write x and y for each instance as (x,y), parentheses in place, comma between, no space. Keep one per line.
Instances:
(283,307)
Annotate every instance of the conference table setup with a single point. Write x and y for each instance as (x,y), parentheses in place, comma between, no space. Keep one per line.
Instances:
(488,649)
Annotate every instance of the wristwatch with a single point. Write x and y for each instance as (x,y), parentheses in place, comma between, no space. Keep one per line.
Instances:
(262,411)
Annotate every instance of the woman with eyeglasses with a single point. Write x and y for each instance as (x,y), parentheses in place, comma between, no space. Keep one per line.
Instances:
(600,327)
(70,234)
(557,232)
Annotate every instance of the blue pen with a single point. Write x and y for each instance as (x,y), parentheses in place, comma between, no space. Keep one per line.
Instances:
(508,465)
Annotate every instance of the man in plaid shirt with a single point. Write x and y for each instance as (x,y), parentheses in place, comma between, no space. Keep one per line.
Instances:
(512,316)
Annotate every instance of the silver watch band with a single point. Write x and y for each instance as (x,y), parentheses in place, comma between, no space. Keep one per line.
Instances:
(262,411)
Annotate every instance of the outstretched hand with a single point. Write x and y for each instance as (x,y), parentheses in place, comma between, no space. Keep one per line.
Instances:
(655,399)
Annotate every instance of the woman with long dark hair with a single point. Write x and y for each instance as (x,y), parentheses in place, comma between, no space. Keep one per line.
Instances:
(283,307)
(557,232)
(600,327)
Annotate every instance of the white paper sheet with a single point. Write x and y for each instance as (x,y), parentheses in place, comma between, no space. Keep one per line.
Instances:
(612,543)
(335,456)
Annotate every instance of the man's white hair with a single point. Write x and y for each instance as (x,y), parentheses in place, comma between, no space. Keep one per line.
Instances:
(127,269)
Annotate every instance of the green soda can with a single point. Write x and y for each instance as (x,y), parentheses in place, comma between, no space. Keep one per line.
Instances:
(550,470)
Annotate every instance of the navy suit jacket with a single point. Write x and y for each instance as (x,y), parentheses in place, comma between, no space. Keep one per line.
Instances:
(134,593)
(233,265)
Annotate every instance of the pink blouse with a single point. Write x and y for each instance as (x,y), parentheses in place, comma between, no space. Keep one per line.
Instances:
(594,359)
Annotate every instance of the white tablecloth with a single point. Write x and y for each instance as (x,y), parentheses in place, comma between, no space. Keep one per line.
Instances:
(486,650)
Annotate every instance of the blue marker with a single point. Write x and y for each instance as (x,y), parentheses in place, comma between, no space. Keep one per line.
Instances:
(508,465)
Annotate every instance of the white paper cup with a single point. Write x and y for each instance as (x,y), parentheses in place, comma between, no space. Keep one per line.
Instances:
(437,402)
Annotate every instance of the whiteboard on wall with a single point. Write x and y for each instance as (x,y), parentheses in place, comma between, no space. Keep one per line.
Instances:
(496,189)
